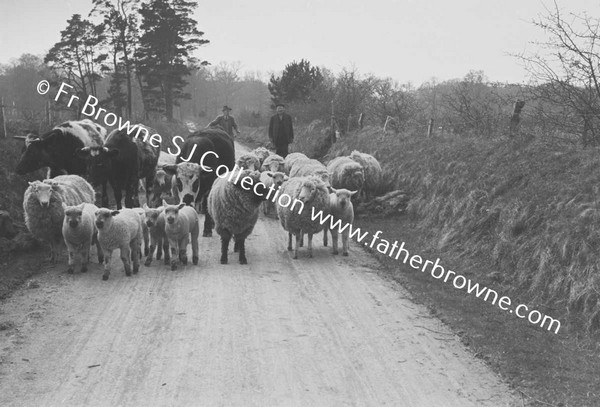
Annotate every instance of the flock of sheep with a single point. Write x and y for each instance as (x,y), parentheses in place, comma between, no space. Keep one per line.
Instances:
(62,208)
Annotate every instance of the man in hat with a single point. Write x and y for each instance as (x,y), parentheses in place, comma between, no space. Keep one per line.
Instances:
(281,131)
(226,121)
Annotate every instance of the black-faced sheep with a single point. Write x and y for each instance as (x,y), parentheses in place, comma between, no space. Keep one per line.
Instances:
(155,221)
(314,198)
(234,206)
(79,232)
(342,216)
(181,221)
(372,171)
(121,230)
(346,173)
(162,187)
(42,203)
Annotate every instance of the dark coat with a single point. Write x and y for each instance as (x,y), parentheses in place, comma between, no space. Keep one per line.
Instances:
(281,130)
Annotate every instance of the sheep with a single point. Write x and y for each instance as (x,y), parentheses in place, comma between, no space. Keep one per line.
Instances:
(234,208)
(274,163)
(42,204)
(308,167)
(181,221)
(268,179)
(342,215)
(249,161)
(290,159)
(155,221)
(79,232)
(372,170)
(145,233)
(121,230)
(309,191)
(346,173)
(262,153)
(162,185)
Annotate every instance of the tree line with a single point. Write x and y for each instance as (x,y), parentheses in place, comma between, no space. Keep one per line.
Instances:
(138,59)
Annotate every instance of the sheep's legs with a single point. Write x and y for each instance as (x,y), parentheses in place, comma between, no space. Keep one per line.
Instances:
(298,237)
(125,258)
(195,247)
(85,258)
(225,238)
(325,237)
(166,249)
(136,249)
(174,254)
(345,243)
(183,250)
(334,241)
(310,254)
(107,259)
(98,248)
(71,260)
(289,241)
(208,225)
(241,243)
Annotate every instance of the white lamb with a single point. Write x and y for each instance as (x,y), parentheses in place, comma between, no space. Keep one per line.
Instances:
(42,204)
(155,221)
(79,232)
(145,233)
(181,221)
(121,230)
(314,196)
(342,216)
(308,167)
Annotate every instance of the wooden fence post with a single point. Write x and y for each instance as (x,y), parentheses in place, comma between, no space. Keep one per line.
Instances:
(3,117)
(430,128)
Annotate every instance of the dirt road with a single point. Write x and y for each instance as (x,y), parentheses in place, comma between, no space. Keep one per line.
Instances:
(326,331)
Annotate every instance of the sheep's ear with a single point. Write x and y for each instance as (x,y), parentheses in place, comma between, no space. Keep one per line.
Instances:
(54,185)
(145,206)
(164,203)
(285,178)
(181,205)
(31,183)
(114,213)
(353,192)
(330,189)
(64,206)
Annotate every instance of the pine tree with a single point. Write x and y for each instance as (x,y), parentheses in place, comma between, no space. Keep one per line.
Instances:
(165,52)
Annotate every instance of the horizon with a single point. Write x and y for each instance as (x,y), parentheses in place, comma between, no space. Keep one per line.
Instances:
(411,43)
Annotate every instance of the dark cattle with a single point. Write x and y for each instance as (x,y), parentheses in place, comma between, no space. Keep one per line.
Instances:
(57,148)
(122,161)
(194,188)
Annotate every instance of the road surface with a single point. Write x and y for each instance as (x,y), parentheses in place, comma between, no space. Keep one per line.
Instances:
(326,331)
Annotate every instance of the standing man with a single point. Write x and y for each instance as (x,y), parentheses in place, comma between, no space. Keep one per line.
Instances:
(281,131)
(226,121)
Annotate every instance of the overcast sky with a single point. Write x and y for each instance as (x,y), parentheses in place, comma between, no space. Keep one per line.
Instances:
(408,40)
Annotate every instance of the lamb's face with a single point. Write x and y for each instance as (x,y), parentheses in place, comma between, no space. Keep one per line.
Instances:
(151,215)
(104,218)
(172,212)
(43,192)
(248,162)
(278,178)
(324,176)
(343,197)
(73,215)
(356,178)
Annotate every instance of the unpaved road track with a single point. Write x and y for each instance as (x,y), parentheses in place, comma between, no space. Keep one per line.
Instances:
(326,331)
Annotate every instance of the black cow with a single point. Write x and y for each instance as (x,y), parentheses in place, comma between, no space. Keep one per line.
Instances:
(122,161)
(57,148)
(193,183)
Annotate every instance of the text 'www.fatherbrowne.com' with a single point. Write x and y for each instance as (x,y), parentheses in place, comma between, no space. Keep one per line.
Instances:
(460,282)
